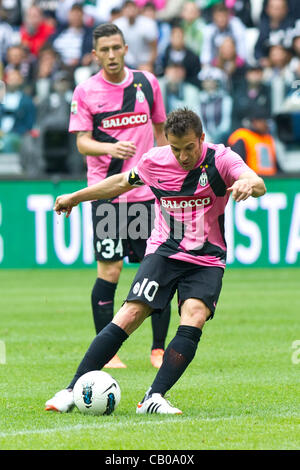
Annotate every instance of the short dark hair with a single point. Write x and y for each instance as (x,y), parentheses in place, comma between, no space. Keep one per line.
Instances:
(106,30)
(77,6)
(220,7)
(182,120)
(150,5)
(129,2)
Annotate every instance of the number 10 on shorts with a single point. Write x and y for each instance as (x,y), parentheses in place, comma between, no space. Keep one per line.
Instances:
(147,288)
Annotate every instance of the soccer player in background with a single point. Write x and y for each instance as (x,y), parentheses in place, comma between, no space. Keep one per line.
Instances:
(191,181)
(113,113)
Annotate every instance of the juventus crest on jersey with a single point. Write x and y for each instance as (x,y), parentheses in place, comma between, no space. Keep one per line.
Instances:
(189,205)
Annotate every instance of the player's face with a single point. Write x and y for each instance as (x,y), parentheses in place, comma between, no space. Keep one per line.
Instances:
(110,53)
(186,149)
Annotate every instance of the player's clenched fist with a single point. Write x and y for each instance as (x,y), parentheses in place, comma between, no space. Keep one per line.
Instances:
(64,203)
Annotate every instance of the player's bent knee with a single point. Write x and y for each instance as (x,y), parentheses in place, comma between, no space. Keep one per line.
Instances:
(109,271)
(131,315)
(194,312)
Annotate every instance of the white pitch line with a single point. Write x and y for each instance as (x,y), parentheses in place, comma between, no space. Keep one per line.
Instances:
(79,427)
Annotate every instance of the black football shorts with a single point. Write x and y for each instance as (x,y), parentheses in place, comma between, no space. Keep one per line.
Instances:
(121,229)
(159,277)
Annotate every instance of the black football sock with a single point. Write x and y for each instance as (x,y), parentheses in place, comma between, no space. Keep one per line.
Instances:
(177,357)
(160,324)
(104,346)
(102,298)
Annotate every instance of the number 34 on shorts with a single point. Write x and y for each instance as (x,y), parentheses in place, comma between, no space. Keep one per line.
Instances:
(108,248)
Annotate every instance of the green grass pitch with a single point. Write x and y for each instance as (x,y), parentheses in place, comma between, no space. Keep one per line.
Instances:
(240,392)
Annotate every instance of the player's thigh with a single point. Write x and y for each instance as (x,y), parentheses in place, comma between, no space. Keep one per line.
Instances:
(155,282)
(194,312)
(198,293)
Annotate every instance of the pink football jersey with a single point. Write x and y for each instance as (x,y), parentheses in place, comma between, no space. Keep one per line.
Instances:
(190,205)
(114,112)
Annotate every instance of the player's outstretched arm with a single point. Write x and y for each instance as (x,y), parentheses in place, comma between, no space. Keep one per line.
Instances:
(248,184)
(110,187)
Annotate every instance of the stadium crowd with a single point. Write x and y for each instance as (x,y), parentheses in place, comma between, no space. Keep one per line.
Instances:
(235,62)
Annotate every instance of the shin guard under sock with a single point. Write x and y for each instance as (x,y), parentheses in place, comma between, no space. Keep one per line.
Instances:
(104,346)
(177,357)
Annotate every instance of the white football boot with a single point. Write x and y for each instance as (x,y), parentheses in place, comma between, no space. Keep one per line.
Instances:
(156,403)
(62,401)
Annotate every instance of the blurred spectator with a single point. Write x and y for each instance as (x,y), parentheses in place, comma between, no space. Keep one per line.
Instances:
(293,6)
(273,26)
(17,113)
(48,64)
(278,75)
(255,144)
(295,47)
(12,10)
(228,61)
(223,25)
(115,14)
(279,57)
(164,29)
(35,31)
(51,148)
(6,36)
(54,111)
(249,93)
(19,58)
(74,41)
(215,105)
(99,11)
(141,34)
(238,8)
(48,8)
(193,26)
(62,11)
(178,52)
(176,91)
(287,109)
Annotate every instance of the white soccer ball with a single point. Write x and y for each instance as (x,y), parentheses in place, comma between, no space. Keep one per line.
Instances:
(97,393)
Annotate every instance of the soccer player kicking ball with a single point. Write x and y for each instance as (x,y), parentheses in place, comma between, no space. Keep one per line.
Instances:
(191,181)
